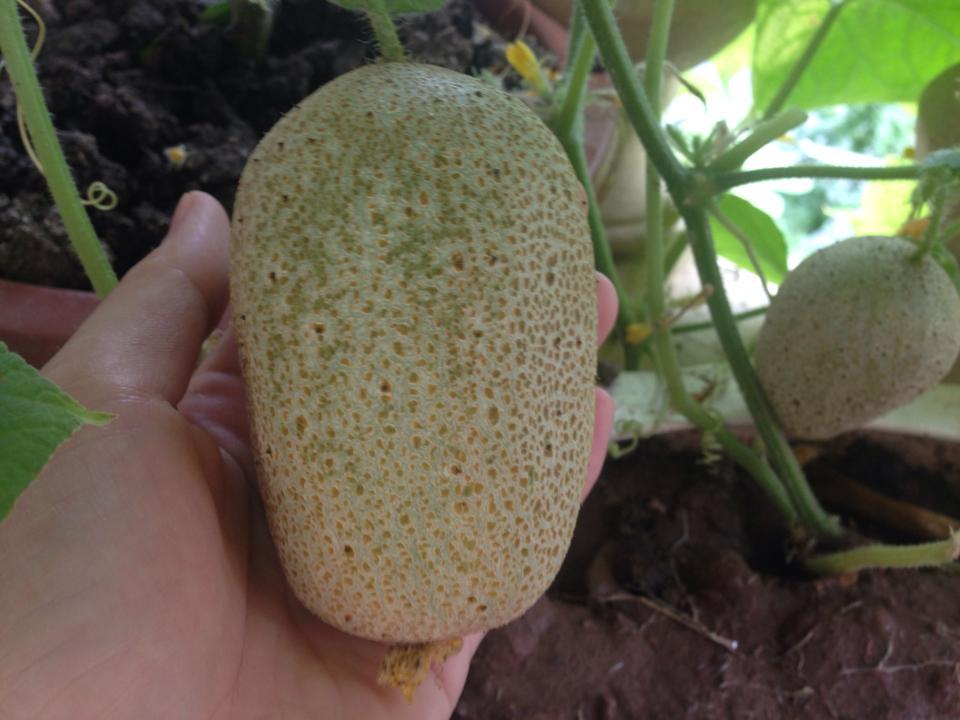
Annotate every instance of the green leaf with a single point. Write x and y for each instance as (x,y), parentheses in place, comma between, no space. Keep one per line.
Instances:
(35,417)
(395,7)
(765,238)
(877,51)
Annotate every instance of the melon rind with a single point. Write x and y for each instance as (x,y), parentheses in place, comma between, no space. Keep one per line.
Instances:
(415,304)
(857,329)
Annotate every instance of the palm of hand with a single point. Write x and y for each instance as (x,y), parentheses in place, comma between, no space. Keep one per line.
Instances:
(137,577)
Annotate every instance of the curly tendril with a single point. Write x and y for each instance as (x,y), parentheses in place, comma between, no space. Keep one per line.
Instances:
(99,196)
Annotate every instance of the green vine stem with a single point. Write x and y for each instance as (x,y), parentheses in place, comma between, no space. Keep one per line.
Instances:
(653,244)
(665,353)
(577,32)
(64,191)
(800,67)
(635,103)
(929,554)
(674,249)
(566,122)
(950,231)
(708,324)
(384,30)
(677,178)
(720,182)
(580,53)
(762,134)
(775,444)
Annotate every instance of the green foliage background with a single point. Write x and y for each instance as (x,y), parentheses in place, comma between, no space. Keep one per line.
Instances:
(877,51)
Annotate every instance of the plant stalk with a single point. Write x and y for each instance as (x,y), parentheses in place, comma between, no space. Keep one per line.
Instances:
(708,324)
(937,204)
(77,223)
(581,53)
(806,57)
(929,554)
(573,145)
(721,182)
(632,96)
(566,121)
(384,30)
(762,134)
(641,115)
(665,353)
(775,444)
(674,249)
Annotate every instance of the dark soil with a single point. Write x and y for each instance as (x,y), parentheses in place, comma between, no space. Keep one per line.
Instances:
(707,546)
(128,79)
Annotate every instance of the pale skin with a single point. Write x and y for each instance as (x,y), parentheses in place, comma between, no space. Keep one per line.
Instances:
(137,577)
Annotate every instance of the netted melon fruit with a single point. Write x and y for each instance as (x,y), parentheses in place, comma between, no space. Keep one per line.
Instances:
(857,329)
(938,128)
(414,295)
(938,113)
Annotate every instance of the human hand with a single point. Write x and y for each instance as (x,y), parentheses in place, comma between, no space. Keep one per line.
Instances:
(137,576)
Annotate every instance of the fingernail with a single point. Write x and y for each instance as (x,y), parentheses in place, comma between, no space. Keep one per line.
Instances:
(184,208)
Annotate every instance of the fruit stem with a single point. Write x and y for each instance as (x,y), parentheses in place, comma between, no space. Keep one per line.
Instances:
(763,134)
(721,182)
(678,180)
(929,554)
(566,122)
(806,57)
(13,47)
(384,30)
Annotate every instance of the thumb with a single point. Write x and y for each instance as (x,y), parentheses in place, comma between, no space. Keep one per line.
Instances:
(144,338)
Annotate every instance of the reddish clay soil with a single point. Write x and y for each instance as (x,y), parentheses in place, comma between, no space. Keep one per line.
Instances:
(664,537)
